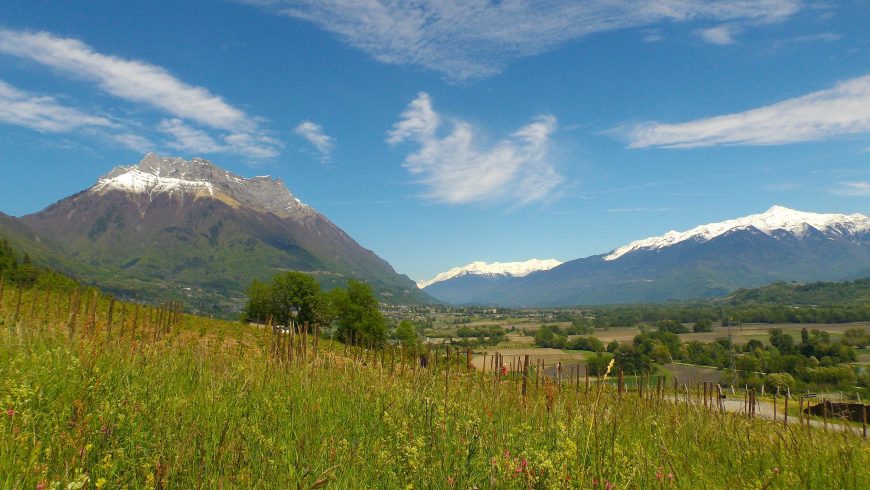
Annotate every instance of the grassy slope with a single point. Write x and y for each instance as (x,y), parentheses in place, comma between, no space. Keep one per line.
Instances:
(205,406)
(817,293)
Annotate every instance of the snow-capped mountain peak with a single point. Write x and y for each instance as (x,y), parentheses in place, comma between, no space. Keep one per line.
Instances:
(514,269)
(178,177)
(777,218)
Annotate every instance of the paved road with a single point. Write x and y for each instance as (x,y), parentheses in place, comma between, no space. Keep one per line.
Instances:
(764,409)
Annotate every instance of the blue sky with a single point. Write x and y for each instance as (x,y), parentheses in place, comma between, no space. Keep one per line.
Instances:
(438,133)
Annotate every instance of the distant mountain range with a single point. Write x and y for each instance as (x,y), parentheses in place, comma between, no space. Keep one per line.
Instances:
(478,278)
(711,260)
(167,224)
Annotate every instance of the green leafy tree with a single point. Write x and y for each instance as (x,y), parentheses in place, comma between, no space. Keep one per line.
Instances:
(672,326)
(406,334)
(704,325)
(296,290)
(357,314)
(781,340)
(259,305)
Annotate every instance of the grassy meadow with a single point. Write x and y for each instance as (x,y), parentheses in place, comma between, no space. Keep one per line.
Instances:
(154,399)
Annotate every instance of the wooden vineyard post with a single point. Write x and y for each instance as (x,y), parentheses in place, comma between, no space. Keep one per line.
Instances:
(46,314)
(446,379)
(800,411)
(135,321)
(586,373)
(17,314)
(483,369)
(305,340)
(775,396)
(110,317)
(577,380)
(92,314)
(825,413)
(468,360)
(33,305)
(619,382)
(785,415)
(705,394)
(73,314)
(864,421)
(525,374)
(317,339)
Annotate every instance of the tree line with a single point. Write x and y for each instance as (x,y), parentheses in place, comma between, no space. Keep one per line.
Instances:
(291,299)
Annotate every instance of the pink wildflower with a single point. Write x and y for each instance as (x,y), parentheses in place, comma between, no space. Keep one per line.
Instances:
(10,412)
(607,485)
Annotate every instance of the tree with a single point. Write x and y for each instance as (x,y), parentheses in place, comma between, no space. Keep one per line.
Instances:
(356,311)
(672,326)
(406,334)
(544,336)
(704,325)
(259,304)
(782,341)
(296,290)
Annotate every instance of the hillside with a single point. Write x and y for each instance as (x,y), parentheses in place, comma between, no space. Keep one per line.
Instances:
(817,293)
(168,223)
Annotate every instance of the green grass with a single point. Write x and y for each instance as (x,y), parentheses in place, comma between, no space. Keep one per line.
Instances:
(207,406)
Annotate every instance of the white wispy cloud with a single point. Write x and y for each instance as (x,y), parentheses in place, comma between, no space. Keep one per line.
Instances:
(43,113)
(723,34)
(145,84)
(468,39)
(457,169)
(841,110)
(853,189)
(314,134)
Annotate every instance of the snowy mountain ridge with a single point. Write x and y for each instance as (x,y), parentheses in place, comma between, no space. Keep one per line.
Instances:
(777,218)
(514,269)
(177,176)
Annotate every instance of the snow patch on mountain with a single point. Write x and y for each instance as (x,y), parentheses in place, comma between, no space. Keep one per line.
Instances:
(137,181)
(777,218)
(515,269)
(171,175)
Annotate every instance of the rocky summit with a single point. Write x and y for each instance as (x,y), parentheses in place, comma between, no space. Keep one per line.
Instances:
(169,223)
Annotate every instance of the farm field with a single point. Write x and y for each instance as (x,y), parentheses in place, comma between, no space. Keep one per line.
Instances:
(162,400)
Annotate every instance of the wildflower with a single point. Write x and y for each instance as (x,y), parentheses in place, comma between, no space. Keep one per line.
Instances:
(659,474)
(41,485)
(10,412)
(104,429)
(607,485)
(776,470)
(594,481)
(671,477)
(451,481)
(507,454)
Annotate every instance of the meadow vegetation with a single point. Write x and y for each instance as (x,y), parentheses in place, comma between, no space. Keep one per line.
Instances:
(100,394)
